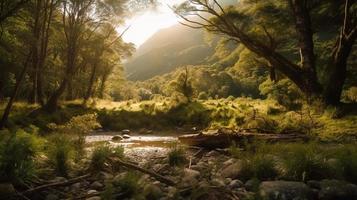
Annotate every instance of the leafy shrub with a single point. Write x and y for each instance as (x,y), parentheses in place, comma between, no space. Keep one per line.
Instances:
(284,92)
(60,153)
(351,94)
(79,125)
(176,156)
(17,153)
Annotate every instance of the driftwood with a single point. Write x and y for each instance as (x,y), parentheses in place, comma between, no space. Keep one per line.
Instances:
(57,184)
(146,171)
(223,140)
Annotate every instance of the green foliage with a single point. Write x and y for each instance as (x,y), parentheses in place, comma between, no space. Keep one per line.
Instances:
(351,94)
(79,125)
(100,156)
(304,162)
(177,156)
(284,92)
(129,184)
(17,156)
(346,156)
(60,153)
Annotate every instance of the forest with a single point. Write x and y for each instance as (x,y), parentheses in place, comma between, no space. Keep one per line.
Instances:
(178,99)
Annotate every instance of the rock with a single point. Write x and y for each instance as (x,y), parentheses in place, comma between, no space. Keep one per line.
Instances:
(92,191)
(337,190)
(59,179)
(235,184)
(94,198)
(252,184)
(218,182)
(125,131)
(191,173)
(126,136)
(75,186)
(96,185)
(232,171)
(119,177)
(229,162)
(6,189)
(152,192)
(117,138)
(213,153)
(105,176)
(52,197)
(190,177)
(285,190)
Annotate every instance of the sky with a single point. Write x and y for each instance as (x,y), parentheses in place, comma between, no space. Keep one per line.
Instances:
(145,24)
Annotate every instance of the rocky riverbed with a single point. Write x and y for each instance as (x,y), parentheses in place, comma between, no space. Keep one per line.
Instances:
(207,174)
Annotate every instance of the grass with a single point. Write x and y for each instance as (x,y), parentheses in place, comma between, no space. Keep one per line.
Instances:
(60,153)
(239,113)
(176,156)
(17,157)
(298,161)
(129,184)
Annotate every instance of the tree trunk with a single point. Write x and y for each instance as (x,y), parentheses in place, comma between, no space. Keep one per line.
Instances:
(90,84)
(102,85)
(7,110)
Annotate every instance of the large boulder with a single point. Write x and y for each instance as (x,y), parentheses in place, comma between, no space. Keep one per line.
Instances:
(285,190)
(337,190)
(117,138)
(233,170)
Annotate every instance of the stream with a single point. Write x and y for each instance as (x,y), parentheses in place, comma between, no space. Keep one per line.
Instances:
(138,147)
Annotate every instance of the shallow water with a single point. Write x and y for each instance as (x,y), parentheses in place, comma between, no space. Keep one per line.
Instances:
(138,147)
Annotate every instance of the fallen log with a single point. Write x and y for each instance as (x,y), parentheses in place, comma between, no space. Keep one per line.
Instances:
(146,171)
(223,140)
(56,184)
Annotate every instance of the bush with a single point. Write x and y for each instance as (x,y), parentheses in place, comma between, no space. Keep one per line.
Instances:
(129,184)
(99,156)
(60,153)
(176,156)
(351,94)
(304,162)
(17,153)
(347,162)
(264,167)
(284,92)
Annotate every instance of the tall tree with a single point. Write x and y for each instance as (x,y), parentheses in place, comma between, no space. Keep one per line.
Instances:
(234,20)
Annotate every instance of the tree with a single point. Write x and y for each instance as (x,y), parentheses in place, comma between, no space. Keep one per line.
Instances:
(9,8)
(42,17)
(252,29)
(183,84)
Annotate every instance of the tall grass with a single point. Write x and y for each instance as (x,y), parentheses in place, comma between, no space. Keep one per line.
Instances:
(17,156)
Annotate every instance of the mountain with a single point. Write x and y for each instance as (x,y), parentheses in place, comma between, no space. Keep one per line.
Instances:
(167,50)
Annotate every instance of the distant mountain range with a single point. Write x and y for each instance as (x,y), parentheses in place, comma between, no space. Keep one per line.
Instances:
(167,50)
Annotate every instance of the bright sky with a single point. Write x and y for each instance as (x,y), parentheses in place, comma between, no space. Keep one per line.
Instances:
(143,26)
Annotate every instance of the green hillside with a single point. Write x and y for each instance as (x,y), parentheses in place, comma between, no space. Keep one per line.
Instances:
(166,50)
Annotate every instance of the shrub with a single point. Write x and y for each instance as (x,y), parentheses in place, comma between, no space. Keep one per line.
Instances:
(176,156)
(347,161)
(99,156)
(129,184)
(304,162)
(60,153)
(17,153)
(284,92)
(351,94)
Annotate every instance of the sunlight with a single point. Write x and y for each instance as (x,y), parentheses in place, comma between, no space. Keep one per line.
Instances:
(144,25)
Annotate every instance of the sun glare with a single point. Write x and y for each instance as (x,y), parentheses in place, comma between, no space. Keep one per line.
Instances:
(143,26)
